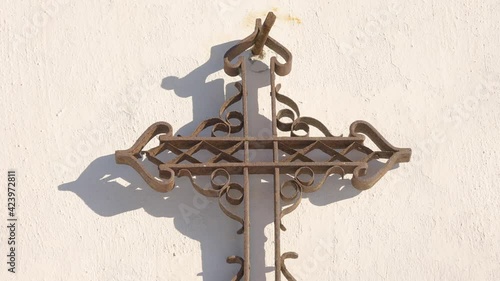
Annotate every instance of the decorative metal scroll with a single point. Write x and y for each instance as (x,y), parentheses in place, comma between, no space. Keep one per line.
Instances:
(231,144)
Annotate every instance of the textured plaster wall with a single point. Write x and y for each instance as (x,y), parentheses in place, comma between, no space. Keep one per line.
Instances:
(80,79)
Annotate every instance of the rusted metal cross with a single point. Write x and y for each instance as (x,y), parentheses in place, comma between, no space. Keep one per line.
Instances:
(235,140)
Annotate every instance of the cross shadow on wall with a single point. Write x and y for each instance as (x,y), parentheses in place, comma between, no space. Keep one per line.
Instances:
(110,189)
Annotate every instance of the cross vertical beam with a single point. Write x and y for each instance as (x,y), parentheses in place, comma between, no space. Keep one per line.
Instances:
(246,187)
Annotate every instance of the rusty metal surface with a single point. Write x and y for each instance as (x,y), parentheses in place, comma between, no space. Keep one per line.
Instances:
(231,144)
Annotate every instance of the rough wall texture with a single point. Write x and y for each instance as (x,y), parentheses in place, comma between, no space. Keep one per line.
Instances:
(80,79)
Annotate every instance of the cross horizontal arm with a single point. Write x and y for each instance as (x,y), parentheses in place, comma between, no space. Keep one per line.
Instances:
(259,143)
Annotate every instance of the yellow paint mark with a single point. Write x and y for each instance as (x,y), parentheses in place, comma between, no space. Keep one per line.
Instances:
(294,19)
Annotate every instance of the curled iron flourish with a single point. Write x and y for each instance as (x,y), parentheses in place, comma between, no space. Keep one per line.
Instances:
(297,122)
(308,186)
(225,126)
(296,197)
(222,191)
(284,269)
(303,181)
(131,157)
(241,262)
(233,201)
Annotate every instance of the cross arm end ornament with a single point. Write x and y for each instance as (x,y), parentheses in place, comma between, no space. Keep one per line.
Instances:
(231,148)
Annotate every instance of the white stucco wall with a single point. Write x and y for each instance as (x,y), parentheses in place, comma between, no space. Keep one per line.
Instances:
(80,79)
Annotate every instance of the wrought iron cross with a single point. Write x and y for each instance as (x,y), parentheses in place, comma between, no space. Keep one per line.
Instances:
(235,138)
